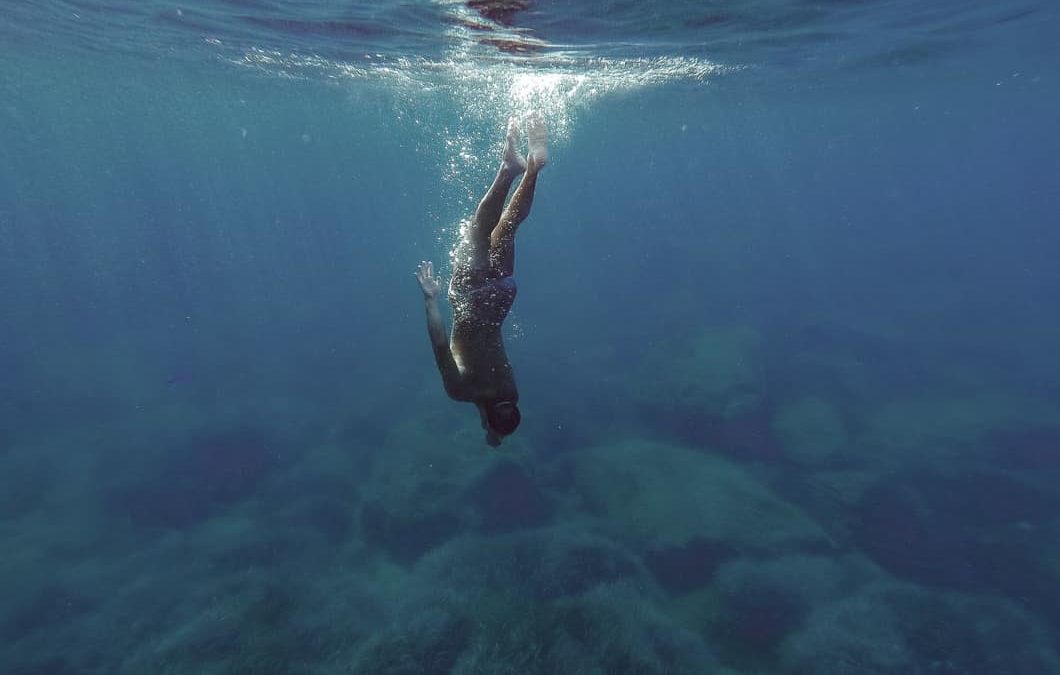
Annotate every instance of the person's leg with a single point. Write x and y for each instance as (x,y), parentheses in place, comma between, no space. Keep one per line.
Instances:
(502,239)
(488,213)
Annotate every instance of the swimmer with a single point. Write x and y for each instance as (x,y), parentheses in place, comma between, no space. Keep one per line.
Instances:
(472,362)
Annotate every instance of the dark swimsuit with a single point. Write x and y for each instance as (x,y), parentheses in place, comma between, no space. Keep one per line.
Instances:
(482,296)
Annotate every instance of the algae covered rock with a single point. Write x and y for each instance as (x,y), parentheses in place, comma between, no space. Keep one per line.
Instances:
(716,374)
(763,600)
(896,628)
(948,425)
(413,498)
(810,431)
(611,629)
(557,599)
(434,478)
(659,495)
(426,641)
(963,528)
(544,564)
(855,635)
(507,498)
(197,478)
(686,567)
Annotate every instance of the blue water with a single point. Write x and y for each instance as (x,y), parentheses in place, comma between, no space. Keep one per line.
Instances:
(785,339)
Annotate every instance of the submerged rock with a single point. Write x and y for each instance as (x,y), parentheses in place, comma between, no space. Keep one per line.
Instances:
(27,478)
(545,564)
(716,376)
(855,635)
(900,629)
(655,495)
(765,600)
(810,431)
(434,479)
(43,666)
(611,629)
(409,532)
(952,426)
(507,499)
(1035,449)
(47,608)
(249,624)
(969,529)
(426,642)
(686,567)
(195,480)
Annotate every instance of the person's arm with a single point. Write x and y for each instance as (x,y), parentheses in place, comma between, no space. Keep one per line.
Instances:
(443,354)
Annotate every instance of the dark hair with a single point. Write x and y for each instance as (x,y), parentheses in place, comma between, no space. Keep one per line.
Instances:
(503,417)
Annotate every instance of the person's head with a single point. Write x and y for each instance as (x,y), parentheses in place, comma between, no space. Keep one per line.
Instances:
(502,418)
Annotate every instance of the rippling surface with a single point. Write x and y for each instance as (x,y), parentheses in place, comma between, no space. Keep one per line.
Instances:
(494,58)
(369,37)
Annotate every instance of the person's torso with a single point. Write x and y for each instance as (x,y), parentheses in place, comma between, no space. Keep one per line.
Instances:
(479,310)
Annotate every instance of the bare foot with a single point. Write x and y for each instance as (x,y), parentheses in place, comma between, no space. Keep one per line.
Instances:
(512,160)
(537,140)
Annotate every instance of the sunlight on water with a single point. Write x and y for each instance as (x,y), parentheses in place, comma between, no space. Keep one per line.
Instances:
(488,88)
(488,73)
(492,89)
(491,72)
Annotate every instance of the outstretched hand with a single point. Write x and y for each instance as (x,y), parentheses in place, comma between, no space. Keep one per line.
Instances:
(428,282)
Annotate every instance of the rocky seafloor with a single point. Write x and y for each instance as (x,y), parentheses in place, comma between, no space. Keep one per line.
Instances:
(728,506)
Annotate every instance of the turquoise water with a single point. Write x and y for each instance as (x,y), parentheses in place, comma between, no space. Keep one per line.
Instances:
(785,339)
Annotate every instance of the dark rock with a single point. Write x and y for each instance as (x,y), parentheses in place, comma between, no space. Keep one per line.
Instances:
(763,600)
(196,480)
(612,629)
(971,531)
(45,667)
(748,437)
(576,568)
(429,643)
(23,487)
(544,564)
(331,518)
(265,552)
(501,11)
(48,607)
(406,535)
(1028,450)
(507,499)
(228,465)
(680,569)
(895,629)
(966,637)
(758,619)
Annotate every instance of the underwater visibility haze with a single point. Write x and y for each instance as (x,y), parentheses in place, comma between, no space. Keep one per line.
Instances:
(785,338)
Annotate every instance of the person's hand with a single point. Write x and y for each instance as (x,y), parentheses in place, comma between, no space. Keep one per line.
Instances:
(428,282)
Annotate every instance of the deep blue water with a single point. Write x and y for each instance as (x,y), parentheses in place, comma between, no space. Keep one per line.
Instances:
(785,339)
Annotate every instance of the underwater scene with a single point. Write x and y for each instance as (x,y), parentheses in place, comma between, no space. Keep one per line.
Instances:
(770,385)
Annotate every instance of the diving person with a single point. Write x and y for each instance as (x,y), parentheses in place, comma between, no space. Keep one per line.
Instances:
(472,361)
